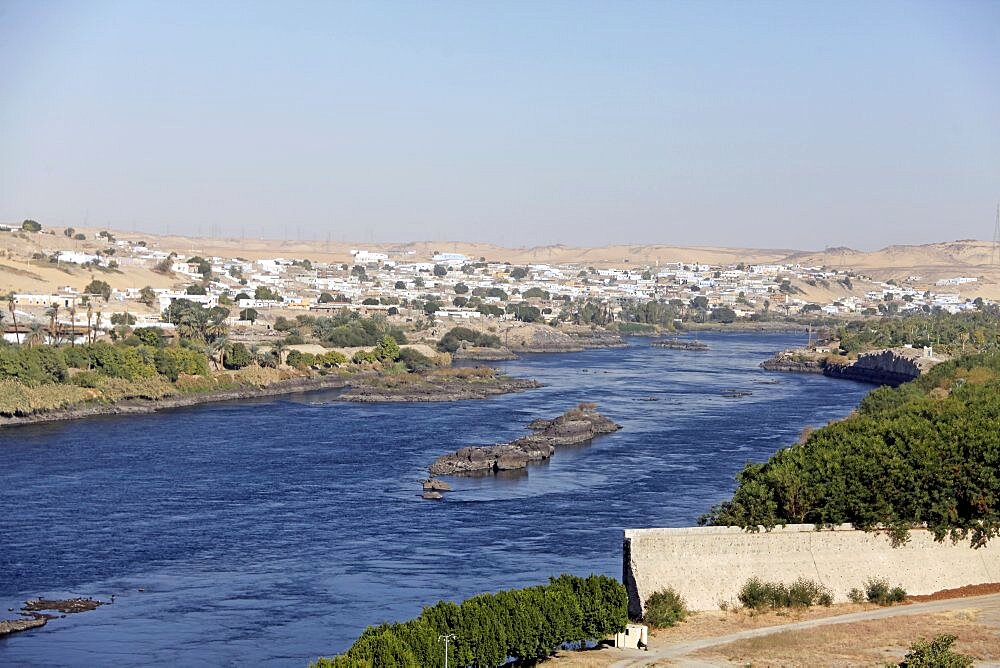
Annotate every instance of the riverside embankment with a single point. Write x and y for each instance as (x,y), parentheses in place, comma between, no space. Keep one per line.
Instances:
(272,530)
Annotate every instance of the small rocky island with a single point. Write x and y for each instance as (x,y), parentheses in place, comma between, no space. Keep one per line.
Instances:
(679,344)
(452,384)
(38,611)
(577,425)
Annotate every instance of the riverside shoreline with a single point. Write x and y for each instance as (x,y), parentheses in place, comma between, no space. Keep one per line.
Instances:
(362,387)
(144,406)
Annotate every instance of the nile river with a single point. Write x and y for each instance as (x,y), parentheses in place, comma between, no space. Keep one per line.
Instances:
(273,531)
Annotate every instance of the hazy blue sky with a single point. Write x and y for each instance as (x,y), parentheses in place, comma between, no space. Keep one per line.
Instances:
(796,124)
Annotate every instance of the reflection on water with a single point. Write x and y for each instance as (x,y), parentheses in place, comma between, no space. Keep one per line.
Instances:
(273,531)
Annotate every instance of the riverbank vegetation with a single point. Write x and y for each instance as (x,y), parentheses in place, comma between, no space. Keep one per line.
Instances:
(924,454)
(143,363)
(955,334)
(527,625)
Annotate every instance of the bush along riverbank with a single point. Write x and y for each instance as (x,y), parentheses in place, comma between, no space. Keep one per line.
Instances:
(527,625)
(924,453)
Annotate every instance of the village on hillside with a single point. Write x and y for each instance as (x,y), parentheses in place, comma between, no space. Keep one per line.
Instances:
(440,286)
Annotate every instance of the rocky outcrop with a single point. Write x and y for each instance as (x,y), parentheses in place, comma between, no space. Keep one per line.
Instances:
(8,626)
(437,389)
(887,367)
(39,612)
(791,361)
(578,425)
(680,344)
(537,338)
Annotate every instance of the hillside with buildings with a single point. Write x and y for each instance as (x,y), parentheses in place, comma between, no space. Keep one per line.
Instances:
(133,279)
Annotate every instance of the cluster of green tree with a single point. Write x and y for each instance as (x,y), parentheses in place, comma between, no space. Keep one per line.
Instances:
(536,293)
(96,287)
(267,294)
(326,360)
(453,339)
(498,293)
(131,361)
(527,625)
(490,310)
(954,333)
(925,453)
(194,321)
(524,312)
(386,351)
(350,329)
(204,266)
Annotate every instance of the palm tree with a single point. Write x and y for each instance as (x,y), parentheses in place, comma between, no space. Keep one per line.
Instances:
(97,325)
(53,313)
(36,334)
(10,305)
(278,349)
(72,315)
(90,315)
(215,330)
(215,349)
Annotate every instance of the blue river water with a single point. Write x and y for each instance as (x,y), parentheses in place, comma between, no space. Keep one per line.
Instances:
(273,531)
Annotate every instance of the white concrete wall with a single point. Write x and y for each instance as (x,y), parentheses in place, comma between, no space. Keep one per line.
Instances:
(709,564)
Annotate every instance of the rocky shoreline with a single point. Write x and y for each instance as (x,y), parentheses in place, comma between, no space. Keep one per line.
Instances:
(575,426)
(882,367)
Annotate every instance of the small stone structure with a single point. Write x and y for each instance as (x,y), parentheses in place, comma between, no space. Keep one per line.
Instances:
(708,565)
(633,637)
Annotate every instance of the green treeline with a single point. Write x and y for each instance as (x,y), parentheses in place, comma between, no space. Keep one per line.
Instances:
(954,333)
(523,624)
(927,452)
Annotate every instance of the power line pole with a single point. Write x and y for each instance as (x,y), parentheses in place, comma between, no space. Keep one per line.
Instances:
(447,638)
(995,254)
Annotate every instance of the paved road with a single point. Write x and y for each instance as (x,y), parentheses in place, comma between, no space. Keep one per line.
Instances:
(676,653)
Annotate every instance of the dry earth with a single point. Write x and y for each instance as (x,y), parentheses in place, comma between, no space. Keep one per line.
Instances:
(843,635)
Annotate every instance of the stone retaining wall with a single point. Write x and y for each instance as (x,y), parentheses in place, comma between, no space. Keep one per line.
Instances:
(708,565)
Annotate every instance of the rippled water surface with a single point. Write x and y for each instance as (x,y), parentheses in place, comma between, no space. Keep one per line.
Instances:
(274,531)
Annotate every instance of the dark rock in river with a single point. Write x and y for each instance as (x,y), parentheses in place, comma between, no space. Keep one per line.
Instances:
(680,344)
(434,485)
(578,425)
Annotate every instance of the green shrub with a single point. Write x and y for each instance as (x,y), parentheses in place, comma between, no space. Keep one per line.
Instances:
(665,608)
(803,593)
(175,360)
(936,653)
(877,590)
(856,596)
(415,360)
(86,379)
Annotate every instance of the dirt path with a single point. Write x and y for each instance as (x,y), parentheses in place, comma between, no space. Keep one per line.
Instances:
(677,653)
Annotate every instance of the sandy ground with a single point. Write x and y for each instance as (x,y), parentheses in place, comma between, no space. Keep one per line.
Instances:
(842,635)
